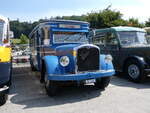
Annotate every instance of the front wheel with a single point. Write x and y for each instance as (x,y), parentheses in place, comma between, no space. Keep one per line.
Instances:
(51,88)
(32,65)
(135,71)
(103,82)
(3,99)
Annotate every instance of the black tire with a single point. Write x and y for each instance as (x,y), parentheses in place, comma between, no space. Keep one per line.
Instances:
(118,73)
(51,88)
(103,82)
(3,99)
(10,79)
(32,65)
(42,76)
(33,68)
(135,71)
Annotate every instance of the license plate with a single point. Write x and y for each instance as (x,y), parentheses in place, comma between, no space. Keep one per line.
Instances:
(90,81)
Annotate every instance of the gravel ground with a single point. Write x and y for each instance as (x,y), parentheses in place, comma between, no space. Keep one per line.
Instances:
(27,95)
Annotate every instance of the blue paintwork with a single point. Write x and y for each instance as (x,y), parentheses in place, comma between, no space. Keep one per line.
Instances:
(5,71)
(69,30)
(53,68)
(56,72)
(67,47)
(104,65)
(81,76)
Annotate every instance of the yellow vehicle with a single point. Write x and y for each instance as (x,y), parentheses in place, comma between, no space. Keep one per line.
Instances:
(5,59)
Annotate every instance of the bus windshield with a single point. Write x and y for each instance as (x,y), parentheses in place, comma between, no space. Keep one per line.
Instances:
(132,38)
(1,30)
(70,37)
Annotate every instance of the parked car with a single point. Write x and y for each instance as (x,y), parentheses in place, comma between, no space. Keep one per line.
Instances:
(17,53)
(60,50)
(129,48)
(5,60)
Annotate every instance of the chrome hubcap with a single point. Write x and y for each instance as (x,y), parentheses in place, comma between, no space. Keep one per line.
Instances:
(133,71)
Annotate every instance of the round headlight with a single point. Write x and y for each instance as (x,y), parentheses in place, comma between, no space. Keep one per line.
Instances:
(108,58)
(64,61)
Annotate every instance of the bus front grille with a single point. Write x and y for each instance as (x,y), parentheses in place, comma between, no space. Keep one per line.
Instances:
(88,59)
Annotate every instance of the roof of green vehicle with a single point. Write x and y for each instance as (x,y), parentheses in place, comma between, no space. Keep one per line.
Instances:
(122,28)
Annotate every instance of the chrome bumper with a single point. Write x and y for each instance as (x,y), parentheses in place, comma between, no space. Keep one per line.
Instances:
(4,89)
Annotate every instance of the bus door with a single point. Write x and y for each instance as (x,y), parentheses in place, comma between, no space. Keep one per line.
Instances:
(108,43)
(99,40)
(42,41)
(34,49)
(112,46)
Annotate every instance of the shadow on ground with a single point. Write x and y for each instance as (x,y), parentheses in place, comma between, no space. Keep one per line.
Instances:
(27,90)
(123,81)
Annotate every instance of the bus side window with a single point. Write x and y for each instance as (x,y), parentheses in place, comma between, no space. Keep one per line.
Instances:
(111,39)
(45,36)
(99,39)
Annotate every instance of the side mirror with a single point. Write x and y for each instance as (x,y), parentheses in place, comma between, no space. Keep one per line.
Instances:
(91,32)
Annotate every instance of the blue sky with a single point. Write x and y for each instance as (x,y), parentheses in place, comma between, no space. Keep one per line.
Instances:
(31,10)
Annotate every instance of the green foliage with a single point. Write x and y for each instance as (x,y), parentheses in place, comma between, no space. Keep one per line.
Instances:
(134,22)
(105,18)
(24,39)
(101,19)
(147,23)
(79,18)
(15,41)
(21,27)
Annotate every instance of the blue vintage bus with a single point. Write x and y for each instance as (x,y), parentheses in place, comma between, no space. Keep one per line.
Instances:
(5,59)
(62,53)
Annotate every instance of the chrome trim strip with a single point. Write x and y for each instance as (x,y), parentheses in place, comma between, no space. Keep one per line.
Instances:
(4,88)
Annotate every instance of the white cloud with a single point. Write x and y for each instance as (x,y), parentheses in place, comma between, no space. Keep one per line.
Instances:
(136,12)
(129,8)
(139,10)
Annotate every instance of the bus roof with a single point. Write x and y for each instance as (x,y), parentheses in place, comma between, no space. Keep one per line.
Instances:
(57,21)
(63,21)
(122,28)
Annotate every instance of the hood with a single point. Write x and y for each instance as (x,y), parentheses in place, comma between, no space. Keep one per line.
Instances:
(142,51)
(66,47)
(69,48)
(138,46)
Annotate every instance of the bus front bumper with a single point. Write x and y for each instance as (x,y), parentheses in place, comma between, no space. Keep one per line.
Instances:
(82,76)
(4,90)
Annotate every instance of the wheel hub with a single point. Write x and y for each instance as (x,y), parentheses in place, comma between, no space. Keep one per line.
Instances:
(133,71)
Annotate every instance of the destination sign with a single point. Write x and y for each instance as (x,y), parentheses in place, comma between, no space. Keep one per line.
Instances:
(69,26)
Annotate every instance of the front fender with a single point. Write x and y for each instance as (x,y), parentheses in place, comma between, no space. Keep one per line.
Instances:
(52,64)
(138,58)
(104,65)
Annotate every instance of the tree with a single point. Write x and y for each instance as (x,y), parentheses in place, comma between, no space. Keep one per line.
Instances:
(147,23)
(134,22)
(24,39)
(99,19)
(21,27)
(105,18)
